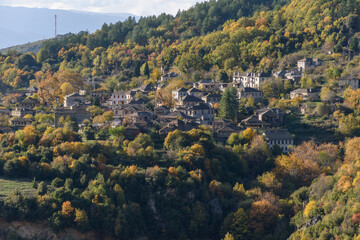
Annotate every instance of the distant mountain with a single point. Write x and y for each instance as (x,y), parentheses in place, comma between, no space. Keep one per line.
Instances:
(20,25)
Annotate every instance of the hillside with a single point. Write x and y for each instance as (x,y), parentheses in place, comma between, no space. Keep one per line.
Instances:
(39,23)
(231,120)
(25,48)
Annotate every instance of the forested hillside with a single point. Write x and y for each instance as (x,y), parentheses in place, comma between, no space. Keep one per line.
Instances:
(96,178)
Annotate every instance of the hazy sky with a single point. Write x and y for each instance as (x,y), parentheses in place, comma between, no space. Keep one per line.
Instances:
(137,7)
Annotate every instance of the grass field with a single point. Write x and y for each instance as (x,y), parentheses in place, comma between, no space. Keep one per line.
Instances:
(24,186)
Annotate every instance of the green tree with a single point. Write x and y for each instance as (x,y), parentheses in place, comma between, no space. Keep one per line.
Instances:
(137,69)
(229,104)
(354,44)
(146,70)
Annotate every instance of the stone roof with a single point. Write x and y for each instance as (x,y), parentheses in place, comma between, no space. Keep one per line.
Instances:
(138,102)
(194,90)
(277,134)
(248,89)
(306,90)
(22,120)
(4,110)
(181,90)
(269,110)
(170,74)
(201,106)
(206,81)
(252,119)
(226,129)
(348,77)
(162,107)
(190,98)
(212,95)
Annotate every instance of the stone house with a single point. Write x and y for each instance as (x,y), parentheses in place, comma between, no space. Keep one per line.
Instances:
(168,76)
(73,99)
(121,111)
(280,137)
(179,94)
(224,133)
(211,98)
(207,85)
(29,103)
(21,112)
(162,110)
(254,122)
(132,131)
(273,116)
(246,92)
(349,80)
(76,112)
(307,94)
(203,113)
(264,118)
(21,122)
(195,92)
(306,64)
(5,111)
(190,100)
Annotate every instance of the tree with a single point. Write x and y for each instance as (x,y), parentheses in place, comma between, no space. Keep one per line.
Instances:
(137,69)
(25,60)
(326,94)
(42,188)
(354,44)
(66,209)
(229,104)
(228,236)
(81,219)
(146,70)
(66,88)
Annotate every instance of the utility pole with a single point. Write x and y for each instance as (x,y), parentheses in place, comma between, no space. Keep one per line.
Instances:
(55,27)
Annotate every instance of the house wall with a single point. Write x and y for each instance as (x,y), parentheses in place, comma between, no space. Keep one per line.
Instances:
(284,144)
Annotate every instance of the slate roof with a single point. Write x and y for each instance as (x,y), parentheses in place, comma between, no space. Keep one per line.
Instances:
(277,134)
(190,98)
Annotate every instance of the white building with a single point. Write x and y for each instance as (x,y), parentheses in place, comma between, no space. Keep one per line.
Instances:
(122,97)
(250,80)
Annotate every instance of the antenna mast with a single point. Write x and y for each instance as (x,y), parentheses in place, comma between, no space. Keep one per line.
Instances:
(55,26)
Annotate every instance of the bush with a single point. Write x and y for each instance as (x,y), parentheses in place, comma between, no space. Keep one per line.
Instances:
(57,182)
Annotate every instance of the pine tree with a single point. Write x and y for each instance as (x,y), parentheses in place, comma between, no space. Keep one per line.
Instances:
(146,70)
(229,104)
(137,69)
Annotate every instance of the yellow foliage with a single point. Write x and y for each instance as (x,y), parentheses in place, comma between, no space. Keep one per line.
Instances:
(352,150)
(344,183)
(197,149)
(309,209)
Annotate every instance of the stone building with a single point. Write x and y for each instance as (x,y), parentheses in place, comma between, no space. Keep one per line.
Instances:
(77,113)
(73,99)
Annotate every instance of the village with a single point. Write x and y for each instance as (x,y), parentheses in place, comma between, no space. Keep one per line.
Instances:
(194,105)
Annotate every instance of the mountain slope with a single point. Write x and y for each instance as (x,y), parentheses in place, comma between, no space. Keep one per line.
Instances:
(19,25)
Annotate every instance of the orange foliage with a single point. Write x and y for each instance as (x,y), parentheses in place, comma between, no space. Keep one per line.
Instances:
(66,209)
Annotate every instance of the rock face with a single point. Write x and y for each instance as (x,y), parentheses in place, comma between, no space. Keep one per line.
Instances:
(40,231)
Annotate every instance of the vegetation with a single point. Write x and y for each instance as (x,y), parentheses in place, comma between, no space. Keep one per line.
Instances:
(188,185)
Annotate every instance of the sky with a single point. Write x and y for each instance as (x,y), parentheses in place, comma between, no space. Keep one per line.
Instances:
(137,7)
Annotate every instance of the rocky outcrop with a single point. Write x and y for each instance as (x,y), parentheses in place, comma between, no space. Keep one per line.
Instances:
(40,231)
